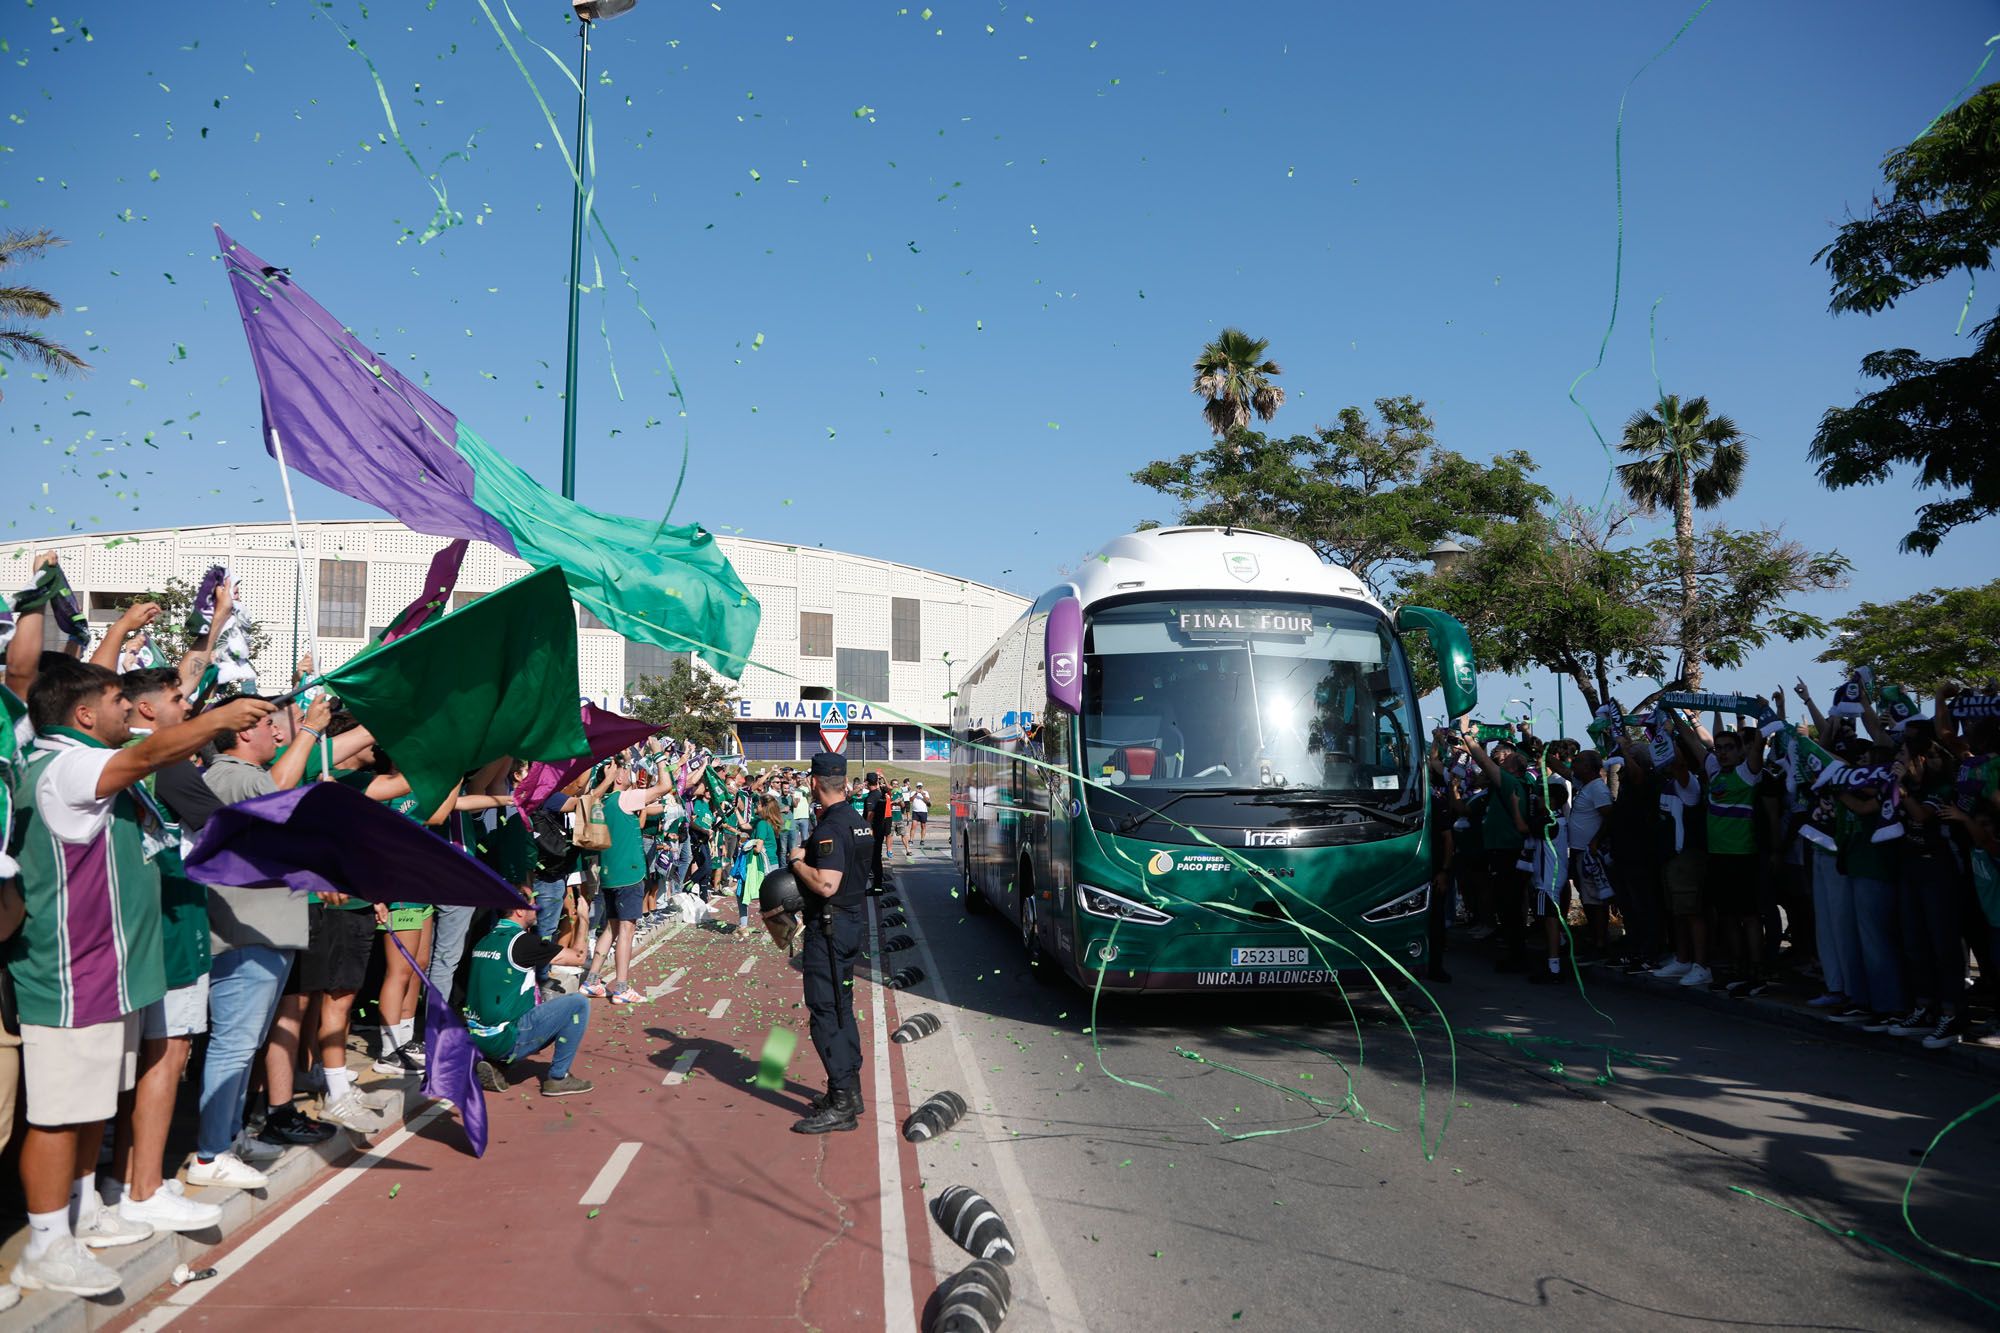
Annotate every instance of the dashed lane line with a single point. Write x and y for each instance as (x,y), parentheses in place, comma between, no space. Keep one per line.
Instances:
(607,1179)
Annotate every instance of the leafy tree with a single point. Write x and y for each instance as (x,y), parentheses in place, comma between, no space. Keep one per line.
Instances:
(1942,215)
(1925,638)
(1372,497)
(169,635)
(18,303)
(1563,592)
(1683,459)
(1233,374)
(693,705)
(1551,592)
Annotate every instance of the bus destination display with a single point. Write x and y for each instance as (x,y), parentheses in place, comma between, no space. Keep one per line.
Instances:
(1290,622)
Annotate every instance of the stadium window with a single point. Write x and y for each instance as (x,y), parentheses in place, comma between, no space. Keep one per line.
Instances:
(862,673)
(815,634)
(906,629)
(343,599)
(106,607)
(646,659)
(459,599)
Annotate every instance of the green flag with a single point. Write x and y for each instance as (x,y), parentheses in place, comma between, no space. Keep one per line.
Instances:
(496,677)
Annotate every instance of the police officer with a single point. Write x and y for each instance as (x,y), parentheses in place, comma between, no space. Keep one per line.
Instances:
(832,871)
(875,809)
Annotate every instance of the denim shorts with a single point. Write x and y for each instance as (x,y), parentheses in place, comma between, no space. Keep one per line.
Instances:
(627,902)
(181,1012)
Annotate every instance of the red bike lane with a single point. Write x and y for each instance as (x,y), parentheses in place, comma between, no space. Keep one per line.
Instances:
(672,1192)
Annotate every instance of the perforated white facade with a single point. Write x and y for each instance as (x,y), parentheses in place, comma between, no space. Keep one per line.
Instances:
(957,619)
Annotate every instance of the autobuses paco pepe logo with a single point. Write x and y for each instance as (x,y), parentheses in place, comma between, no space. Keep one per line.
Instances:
(1161,863)
(1190,863)
(1240,564)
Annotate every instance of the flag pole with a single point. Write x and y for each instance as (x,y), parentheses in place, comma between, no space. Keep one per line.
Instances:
(298,548)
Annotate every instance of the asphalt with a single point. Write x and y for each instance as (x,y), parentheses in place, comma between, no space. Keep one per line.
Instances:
(1583,1170)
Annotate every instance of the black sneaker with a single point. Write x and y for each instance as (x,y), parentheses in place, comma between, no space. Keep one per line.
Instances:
(489,1077)
(1950,1028)
(1878,1023)
(412,1056)
(1917,1023)
(840,1114)
(284,1125)
(1852,1014)
(567,1086)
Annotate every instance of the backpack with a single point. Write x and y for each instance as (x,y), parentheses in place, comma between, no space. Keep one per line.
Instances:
(554,857)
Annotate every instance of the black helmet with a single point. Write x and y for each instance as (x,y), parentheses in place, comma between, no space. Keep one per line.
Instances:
(780,893)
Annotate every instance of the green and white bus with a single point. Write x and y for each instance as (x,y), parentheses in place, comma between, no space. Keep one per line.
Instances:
(1221,688)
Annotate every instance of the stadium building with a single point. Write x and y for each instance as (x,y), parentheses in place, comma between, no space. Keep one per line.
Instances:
(892,635)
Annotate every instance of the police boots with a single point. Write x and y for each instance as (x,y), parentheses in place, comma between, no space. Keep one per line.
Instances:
(841,1111)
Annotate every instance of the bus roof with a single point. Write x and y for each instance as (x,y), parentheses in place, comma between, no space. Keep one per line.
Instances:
(1214,560)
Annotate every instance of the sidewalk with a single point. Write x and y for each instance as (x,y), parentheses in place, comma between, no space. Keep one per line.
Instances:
(1784,1006)
(672,1192)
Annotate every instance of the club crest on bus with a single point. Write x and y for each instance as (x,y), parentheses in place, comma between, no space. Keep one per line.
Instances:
(1062,669)
(1240,564)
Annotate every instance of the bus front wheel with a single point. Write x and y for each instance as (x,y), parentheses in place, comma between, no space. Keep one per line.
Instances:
(1040,965)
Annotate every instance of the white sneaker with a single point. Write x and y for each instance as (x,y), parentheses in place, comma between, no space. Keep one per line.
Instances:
(107,1230)
(1696,976)
(65,1266)
(1673,971)
(228,1171)
(350,1112)
(381,1100)
(166,1211)
(250,1148)
(10,1296)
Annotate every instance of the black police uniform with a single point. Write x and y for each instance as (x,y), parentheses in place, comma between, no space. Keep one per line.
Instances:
(875,807)
(834,929)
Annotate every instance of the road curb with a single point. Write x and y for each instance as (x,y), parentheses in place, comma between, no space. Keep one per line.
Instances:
(149,1266)
(1978,1060)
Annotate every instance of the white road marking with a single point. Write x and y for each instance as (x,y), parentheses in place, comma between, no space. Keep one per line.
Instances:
(721,1008)
(607,1179)
(678,1074)
(1037,1251)
(899,1316)
(240,1258)
(669,986)
(647,952)
(747,964)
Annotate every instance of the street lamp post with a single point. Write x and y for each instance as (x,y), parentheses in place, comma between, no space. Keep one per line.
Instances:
(587,13)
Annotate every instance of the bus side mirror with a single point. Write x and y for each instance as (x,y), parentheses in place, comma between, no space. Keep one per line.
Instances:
(1062,650)
(1453,647)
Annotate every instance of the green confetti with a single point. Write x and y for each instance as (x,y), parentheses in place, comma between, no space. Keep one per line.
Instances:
(394,1190)
(593,1212)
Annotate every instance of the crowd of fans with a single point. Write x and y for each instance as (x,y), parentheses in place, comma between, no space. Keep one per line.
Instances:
(1855,862)
(129,986)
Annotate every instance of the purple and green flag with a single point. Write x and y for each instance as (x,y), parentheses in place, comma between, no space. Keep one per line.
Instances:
(608,733)
(433,601)
(347,419)
(495,677)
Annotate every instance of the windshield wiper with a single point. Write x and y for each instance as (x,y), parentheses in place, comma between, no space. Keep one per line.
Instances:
(1144,813)
(1315,799)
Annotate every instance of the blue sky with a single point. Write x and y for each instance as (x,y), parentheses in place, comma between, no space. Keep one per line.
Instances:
(977,299)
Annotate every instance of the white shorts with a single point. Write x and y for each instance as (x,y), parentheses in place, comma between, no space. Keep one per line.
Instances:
(181,1012)
(73,1075)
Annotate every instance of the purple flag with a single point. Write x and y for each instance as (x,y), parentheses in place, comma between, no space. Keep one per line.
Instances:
(438,583)
(374,435)
(608,733)
(449,1058)
(323,837)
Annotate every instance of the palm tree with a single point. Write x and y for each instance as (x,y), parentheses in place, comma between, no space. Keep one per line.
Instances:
(1235,378)
(32,303)
(1683,459)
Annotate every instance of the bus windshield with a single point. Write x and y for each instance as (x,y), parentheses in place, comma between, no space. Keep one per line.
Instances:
(1241,696)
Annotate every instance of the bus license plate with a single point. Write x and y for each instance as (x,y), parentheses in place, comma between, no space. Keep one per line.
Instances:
(1266,957)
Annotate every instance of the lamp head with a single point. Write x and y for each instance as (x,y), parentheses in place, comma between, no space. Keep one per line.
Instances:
(596,11)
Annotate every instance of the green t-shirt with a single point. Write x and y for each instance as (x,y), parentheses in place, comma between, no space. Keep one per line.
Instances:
(624,861)
(497,991)
(1497,830)
(1732,809)
(1864,858)
(509,849)
(769,837)
(1986,881)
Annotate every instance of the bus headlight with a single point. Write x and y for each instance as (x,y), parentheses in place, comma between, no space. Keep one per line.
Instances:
(1098,902)
(1414,903)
